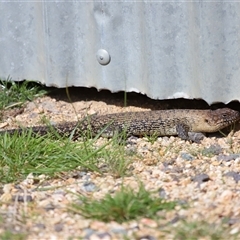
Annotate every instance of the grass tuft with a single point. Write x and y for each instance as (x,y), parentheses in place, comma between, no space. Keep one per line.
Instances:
(115,157)
(25,153)
(14,94)
(10,235)
(201,230)
(125,205)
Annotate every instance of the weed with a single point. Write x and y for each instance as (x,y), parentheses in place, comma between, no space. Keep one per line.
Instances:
(153,138)
(10,235)
(200,230)
(24,154)
(14,94)
(125,205)
(115,158)
(21,154)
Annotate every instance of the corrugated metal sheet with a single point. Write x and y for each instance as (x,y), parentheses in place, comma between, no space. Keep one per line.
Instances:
(163,49)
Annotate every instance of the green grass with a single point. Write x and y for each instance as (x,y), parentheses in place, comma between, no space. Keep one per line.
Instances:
(7,235)
(115,158)
(201,230)
(23,154)
(14,94)
(153,138)
(127,204)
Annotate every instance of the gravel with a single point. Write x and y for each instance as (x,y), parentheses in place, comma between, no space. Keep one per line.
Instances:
(204,176)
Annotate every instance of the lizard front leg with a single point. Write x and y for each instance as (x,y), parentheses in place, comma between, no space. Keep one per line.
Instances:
(184,133)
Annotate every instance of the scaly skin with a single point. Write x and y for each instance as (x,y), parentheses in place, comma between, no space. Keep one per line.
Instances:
(160,123)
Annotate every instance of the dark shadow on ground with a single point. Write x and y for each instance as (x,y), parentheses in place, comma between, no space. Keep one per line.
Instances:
(134,99)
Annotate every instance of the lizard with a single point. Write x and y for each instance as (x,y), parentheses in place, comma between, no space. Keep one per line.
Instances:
(180,122)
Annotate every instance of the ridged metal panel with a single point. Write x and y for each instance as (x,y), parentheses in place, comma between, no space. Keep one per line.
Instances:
(163,49)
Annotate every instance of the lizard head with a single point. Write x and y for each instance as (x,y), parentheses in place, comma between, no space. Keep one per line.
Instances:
(220,118)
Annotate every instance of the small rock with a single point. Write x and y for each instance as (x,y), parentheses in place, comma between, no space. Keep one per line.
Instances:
(133,226)
(89,186)
(82,173)
(58,227)
(148,222)
(104,236)
(226,196)
(33,115)
(130,150)
(187,156)
(27,198)
(233,221)
(132,140)
(234,231)
(40,226)
(162,193)
(200,178)
(96,225)
(88,233)
(212,150)
(216,163)
(147,237)
(49,106)
(119,230)
(2,125)
(169,162)
(49,207)
(79,174)
(30,107)
(227,158)
(196,137)
(234,175)
(175,220)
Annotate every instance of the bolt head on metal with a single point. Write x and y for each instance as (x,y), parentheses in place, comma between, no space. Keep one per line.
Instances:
(103,57)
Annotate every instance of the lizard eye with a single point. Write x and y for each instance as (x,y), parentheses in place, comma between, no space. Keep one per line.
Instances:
(206,120)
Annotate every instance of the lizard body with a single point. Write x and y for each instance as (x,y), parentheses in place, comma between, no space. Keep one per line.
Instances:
(160,123)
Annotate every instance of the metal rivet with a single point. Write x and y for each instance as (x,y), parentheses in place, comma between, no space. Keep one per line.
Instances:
(103,57)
